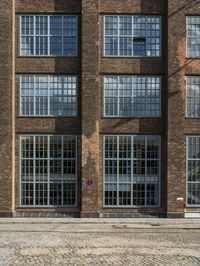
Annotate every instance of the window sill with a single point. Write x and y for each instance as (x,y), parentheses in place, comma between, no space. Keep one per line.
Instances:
(131,57)
(131,117)
(190,117)
(131,207)
(47,117)
(48,56)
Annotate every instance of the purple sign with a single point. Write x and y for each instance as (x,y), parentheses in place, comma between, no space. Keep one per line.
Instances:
(89,182)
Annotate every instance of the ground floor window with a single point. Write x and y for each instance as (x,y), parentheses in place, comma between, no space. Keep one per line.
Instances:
(48,170)
(193,171)
(132,171)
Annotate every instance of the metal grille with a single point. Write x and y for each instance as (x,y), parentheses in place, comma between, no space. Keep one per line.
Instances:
(132,96)
(48,95)
(193,36)
(193,171)
(131,171)
(48,170)
(132,36)
(48,35)
(193,97)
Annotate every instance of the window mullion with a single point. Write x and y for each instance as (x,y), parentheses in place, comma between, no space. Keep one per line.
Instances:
(146,97)
(62,35)
(160,96)
(20,169)
(48,37)
(62,95)
(48,171)
(132,170)
(34,96)
(34,166)
(146,36)
(187,161)
(62,170)
(34,35)
(20,42)
(118,33)
(118,97)
(117,170)
(48,95)
(132,97)
(132,36)
(20,96)
(159,165)
(146,138)
(76,147)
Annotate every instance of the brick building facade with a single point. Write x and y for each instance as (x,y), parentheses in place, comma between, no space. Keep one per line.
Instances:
(100,108)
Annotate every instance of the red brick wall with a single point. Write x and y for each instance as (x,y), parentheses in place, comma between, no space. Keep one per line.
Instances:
(6,107)
(90,66)
(178,125)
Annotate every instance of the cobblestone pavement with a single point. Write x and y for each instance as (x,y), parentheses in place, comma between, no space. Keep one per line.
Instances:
(98,244)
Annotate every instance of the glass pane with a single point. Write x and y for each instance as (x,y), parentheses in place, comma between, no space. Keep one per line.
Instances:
(193,36)
(110,194)
(69,194)
(193,195)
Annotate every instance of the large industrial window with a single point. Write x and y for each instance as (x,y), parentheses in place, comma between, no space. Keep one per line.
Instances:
(138,36)
(193,96)
(193,36)
(132,96)
(131,171)
(193,171)
(48,35)
(43,95)
(48,170)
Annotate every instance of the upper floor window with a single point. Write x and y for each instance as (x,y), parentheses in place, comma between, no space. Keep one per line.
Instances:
(43,95)
(132,96)
(193,36)
(193,96)
(136,36)
(52,35)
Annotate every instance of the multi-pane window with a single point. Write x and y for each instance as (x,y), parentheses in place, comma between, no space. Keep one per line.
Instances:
(193,96)
(48,35)
(43,95)
(132,96)
(131,171)
(193,171)
(193,36)
(138,36)
(48,170)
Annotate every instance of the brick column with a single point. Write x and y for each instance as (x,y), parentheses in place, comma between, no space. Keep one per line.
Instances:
(6,85)
(176,108)
(90,109)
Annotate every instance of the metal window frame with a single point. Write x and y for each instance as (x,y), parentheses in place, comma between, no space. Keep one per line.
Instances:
(118,97)
(186,102)
(48,36)
(48,95)
(132,36)
(187,23)
(131,183)
(20,171)
(187,182)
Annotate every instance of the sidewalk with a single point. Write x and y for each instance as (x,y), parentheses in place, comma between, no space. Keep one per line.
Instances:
(119,223)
